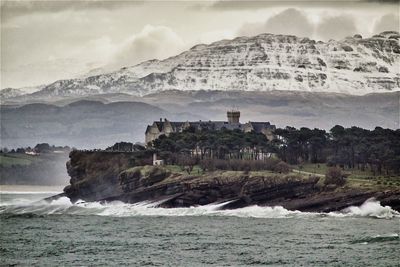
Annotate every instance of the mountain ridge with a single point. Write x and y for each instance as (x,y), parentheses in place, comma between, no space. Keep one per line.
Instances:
(265,62)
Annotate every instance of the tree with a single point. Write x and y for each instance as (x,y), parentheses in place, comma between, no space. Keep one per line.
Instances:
(20,150)
(42,148)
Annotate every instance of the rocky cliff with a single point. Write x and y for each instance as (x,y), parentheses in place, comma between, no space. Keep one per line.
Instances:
(101,176)
(265,62)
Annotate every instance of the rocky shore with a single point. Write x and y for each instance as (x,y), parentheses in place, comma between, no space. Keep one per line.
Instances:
(101,176)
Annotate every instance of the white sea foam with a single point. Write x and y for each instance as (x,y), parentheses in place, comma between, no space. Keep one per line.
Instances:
(370,208)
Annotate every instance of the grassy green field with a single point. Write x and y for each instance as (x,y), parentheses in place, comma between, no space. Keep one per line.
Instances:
(355,177)
(198,171)
(17,159)
(178,169)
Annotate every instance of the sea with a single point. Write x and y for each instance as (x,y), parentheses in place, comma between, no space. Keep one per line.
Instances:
(34,232)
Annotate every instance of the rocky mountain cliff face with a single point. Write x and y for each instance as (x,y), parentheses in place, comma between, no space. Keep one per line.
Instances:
(265,62)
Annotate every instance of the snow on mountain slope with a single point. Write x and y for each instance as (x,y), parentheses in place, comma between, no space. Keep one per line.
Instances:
(7,93)
(10,93)
(261,63)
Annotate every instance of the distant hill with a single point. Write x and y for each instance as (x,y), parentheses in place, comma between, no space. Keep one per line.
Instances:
(91,123)
(81,124)
(43,169)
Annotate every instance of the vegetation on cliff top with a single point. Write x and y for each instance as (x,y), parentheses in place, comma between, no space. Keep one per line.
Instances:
(375,150)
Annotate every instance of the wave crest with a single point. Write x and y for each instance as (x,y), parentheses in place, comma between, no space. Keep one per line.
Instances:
(371,208)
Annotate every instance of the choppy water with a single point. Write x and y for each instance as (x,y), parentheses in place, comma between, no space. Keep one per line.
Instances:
(36,233)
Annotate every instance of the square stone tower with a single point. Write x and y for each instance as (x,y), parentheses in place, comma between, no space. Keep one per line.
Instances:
(233,116)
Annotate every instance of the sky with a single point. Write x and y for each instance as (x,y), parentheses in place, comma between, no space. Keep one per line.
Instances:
(44,41)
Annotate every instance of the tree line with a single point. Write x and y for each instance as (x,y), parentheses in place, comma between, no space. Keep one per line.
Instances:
(214,144)
(377,150)
(39,148)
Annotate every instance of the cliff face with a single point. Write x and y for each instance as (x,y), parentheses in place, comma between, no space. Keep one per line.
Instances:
(94,175)
(101,176)
(97,176)
(149,182)
(265,62)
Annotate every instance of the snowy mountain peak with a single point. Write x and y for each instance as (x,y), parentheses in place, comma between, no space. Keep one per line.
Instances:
(355,65)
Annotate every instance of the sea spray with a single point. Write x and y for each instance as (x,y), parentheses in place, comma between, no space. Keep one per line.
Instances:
(371,208)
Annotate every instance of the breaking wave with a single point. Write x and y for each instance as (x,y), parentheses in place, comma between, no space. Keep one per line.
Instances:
(370,208)
(20,206)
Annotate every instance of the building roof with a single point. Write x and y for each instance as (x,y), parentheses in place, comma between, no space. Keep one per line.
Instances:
(258,126)
(148,128)
(211,125)
(160,125)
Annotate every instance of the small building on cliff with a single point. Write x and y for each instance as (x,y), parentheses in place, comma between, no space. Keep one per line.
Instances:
(165,127)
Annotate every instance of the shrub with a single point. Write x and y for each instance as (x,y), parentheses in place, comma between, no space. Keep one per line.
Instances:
(335,176)
(240,165)
(282,167)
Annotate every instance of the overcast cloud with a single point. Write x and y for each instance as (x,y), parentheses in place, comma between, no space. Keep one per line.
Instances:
(336,27)
(158,42)
(42,41)
(290,21)
(387,22)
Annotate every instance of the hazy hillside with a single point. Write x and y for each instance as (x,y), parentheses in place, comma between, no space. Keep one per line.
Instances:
(81,124)
(43,169)
(93,124)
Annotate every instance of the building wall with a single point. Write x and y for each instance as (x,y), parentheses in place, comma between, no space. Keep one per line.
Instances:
(152,134)
(268,133)
(167,129)
(247,128)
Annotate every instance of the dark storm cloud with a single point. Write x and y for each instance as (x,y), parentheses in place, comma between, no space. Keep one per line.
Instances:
(290,21)
(388,22)
(296,22)
(240,5)
(336,27)
(10,9)
(383,1)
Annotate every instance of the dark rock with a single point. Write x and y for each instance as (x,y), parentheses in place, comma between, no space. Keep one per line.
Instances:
(347,48)
(101,180)
(383,69)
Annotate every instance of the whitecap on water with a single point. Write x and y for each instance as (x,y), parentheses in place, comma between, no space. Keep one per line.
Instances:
(371,208)
(377,239)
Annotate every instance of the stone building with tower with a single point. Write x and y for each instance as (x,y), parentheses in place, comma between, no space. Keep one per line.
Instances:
(165,127)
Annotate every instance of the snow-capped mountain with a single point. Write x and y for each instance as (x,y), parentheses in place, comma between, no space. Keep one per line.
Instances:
(10,92)
(7,93)
(265,62)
